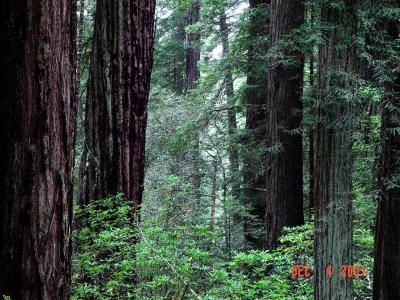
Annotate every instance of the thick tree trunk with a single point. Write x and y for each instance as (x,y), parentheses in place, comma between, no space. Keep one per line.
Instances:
(37,74)
(387,242)
(116,107)
(256,115)
(333,166)
(284,176)
(232,125)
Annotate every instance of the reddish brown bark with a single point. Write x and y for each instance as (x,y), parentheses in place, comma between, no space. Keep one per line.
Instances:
(116,107)
(256,115)
(284,176)
(37,73)
(387,242)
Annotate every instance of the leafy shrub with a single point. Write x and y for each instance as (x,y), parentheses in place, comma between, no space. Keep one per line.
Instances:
(103,264)
(117,259)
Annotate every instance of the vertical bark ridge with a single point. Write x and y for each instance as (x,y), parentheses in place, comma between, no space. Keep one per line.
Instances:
(333,165)
(38,108)
(116,106)
(284,176)
(387,232)
(256,115)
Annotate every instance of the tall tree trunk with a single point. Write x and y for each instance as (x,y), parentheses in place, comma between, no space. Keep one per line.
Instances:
(387,242)
(284,176)
(333,166)
(192,47)
(232,125)
(80,41)
(37,72)
(311,145)
(192,75)
(116,107)
(179,60)
(214,193)
(256,102)
(79,96)
(227,216)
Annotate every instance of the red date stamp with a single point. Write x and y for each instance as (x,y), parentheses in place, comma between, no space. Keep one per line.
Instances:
(348,271)
(345,271)
(300,271)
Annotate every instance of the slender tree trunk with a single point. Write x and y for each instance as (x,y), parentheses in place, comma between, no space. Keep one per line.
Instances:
(284,174)
(179,60)
(37,73)
(311,145)
(232,125)
(227,217)
(192,75)
(116,107)
(213,193)
(387,242)
(192,47)
(256,115)
(333,167)
(80,39)
(79,98)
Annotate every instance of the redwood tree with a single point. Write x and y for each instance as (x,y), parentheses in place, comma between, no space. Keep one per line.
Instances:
(37,73)
(284,172)
(333,163)
(256,102)
(387,232)
(116,106)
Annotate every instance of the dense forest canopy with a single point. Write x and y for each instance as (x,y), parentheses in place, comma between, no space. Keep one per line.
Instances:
(200,149)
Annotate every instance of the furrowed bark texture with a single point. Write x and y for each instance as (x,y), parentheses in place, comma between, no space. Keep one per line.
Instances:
(256,115)
(284,176)
(333,199)
(387,242)
(116,108)
(37,107)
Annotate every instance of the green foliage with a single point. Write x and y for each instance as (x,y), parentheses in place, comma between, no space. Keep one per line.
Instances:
(117,259)
(184,262)
(174,263)
(104,263)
